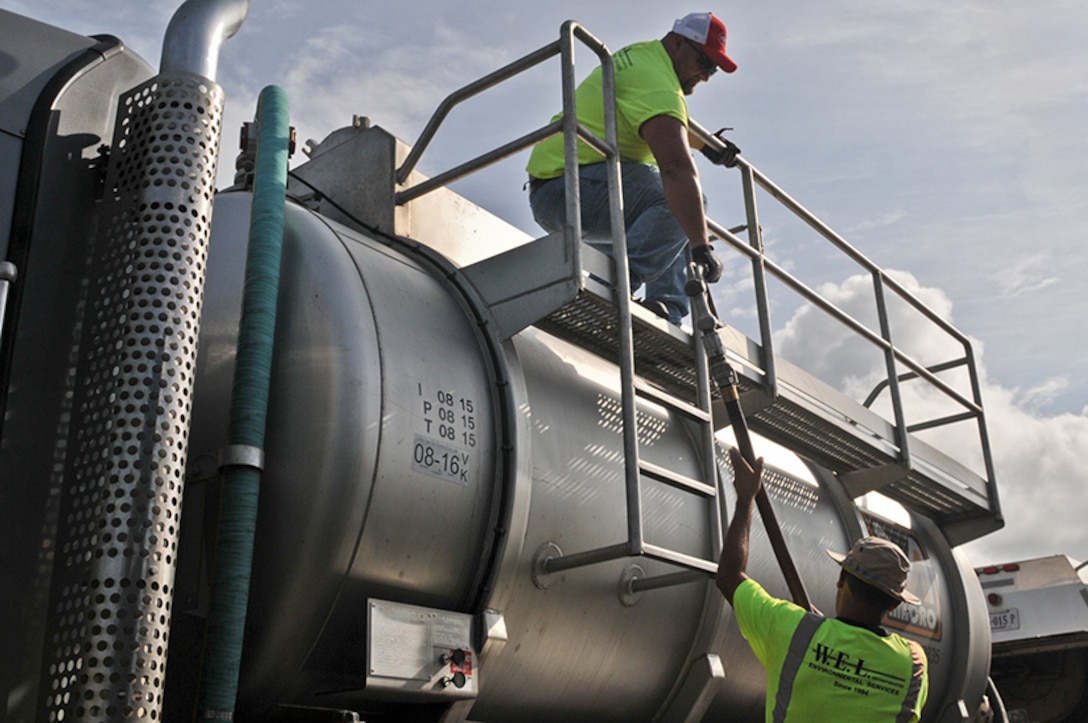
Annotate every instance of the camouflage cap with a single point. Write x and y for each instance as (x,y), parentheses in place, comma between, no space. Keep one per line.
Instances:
(879,563)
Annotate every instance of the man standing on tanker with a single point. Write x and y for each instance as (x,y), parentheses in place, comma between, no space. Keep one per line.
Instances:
(662,196)
(818,669)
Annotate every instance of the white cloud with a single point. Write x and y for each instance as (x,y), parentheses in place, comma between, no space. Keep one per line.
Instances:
(889,218)
(1041,481)
(1042,394)
(1026,276)
(829,349)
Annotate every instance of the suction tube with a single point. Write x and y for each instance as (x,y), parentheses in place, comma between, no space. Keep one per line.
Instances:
(241,462)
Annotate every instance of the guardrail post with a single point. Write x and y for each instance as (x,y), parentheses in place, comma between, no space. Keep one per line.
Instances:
(759,278)
(902,438)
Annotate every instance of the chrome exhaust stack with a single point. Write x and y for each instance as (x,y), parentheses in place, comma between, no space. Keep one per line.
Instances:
(196,33)
(121,504)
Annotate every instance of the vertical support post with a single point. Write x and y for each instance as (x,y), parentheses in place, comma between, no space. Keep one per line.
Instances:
(901,433)
(983,433)
(626,350)
(572,187)
(705,400)
(759,279)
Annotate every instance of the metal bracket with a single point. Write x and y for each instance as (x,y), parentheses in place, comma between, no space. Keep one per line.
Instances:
(628,595)
(241,455)
(858,482)
(541,577)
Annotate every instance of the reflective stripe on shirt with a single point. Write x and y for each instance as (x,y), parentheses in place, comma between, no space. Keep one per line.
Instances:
(918,656)
(802,636)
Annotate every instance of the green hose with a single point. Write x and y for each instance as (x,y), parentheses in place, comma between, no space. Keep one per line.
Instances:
(249,409)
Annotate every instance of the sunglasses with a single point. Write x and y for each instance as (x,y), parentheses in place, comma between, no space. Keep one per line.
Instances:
(706,66)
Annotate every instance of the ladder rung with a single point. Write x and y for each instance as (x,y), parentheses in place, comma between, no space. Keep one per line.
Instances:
(679,558)
(677,480)
(642,584)
(665,399)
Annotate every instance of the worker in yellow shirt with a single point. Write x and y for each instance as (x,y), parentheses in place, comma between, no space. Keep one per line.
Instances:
(846,669)
(662,196)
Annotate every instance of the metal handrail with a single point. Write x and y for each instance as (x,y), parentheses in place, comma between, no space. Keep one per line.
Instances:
(463,94)
(754,251)
(752,248)
(563,47)
(907,376)
(476,164)
(823,304)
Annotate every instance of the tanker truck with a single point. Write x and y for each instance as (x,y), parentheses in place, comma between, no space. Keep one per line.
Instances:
(337,443)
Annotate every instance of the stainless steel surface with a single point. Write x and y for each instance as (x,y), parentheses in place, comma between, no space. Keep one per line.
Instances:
(350,180)
(381,450)
(420,652)
(369,340)
(365,327)
(576,639)
(511,303)
(241,455)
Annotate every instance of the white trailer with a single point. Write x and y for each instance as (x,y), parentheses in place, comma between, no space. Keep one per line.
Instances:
(1039,624)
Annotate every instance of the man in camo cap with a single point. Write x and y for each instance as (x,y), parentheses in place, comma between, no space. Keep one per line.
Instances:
(846,668)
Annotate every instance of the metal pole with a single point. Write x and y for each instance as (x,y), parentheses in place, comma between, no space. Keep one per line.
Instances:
(725,377)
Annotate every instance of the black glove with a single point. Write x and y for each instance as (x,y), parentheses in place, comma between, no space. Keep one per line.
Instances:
(727,156)
(711,264)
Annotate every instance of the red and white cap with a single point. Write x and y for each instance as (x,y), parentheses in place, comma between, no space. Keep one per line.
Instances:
(709,33)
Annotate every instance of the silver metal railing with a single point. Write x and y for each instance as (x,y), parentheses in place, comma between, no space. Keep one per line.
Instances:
(764,269)
(572,131)
(883,286)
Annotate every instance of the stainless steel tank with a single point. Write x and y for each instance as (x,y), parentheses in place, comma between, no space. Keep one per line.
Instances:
(413,457)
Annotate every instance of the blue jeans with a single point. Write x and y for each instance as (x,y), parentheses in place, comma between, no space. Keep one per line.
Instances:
(655,242)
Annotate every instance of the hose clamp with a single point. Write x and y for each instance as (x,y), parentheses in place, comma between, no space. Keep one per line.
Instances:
(241,455)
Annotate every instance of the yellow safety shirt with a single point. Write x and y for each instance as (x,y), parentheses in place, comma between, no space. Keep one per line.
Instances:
(822,669)
(646,87)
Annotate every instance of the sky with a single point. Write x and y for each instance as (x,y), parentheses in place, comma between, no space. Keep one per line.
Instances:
(943,139)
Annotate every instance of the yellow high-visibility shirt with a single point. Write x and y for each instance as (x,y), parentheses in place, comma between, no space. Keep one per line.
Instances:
(646,87)
(821,669)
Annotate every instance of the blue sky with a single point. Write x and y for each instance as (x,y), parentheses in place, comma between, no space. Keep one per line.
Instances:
(945,140)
